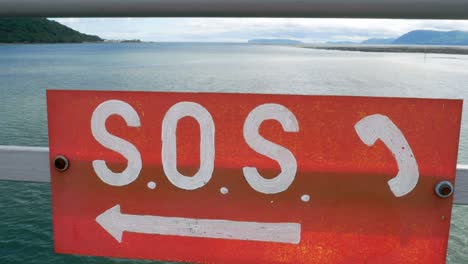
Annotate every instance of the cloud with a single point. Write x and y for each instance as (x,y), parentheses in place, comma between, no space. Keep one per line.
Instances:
(241,29)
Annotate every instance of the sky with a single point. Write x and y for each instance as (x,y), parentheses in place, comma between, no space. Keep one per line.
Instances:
(309,30)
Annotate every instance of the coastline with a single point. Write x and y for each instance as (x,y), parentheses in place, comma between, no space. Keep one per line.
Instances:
(460,50)
(49,43)
(453,50)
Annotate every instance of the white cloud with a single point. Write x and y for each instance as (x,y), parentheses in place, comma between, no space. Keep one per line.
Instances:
(241,29)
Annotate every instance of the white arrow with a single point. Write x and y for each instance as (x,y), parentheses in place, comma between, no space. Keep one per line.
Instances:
(115,223)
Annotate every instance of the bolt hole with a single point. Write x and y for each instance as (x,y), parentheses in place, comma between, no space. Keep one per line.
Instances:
(61,163)
(444,189)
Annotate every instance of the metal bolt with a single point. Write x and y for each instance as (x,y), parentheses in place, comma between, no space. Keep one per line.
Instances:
(444,189)
(61,163)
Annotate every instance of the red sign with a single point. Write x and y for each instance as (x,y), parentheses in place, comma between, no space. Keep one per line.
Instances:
(230,178)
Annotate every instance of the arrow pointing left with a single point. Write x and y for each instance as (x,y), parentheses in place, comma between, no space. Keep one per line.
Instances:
(115,223)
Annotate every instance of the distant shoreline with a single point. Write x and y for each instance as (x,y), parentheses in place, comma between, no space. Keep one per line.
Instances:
(84,42)
(49,43)
(460,50)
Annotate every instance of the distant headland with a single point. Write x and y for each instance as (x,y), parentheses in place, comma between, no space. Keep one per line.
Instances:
(40,30)
(417,37)
(417,41)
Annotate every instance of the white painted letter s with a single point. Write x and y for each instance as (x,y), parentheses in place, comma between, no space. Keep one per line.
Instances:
(283,156)
(123,147)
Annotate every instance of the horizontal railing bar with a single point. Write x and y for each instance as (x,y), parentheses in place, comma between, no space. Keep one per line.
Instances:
(461,186)
(18,163)
(416,9)
(31,164)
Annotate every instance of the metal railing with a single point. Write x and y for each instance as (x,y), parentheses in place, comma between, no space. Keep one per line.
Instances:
(32,164)
(422,9)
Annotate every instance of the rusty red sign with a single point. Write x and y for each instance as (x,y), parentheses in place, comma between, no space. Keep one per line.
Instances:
(255,178)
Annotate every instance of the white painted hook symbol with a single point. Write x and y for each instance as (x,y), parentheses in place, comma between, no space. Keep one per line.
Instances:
(374,127)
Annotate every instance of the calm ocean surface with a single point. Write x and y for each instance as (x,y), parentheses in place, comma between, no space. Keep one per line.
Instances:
(27,70)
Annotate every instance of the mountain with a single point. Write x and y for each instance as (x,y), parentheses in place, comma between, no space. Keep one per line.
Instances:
(378,41)
(40,30)
(419,37)
(275,41)
(431,37)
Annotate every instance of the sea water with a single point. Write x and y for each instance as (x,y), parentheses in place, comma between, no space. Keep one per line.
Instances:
(27,70)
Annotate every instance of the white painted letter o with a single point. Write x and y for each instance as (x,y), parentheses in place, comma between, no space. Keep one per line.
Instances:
(169,145)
